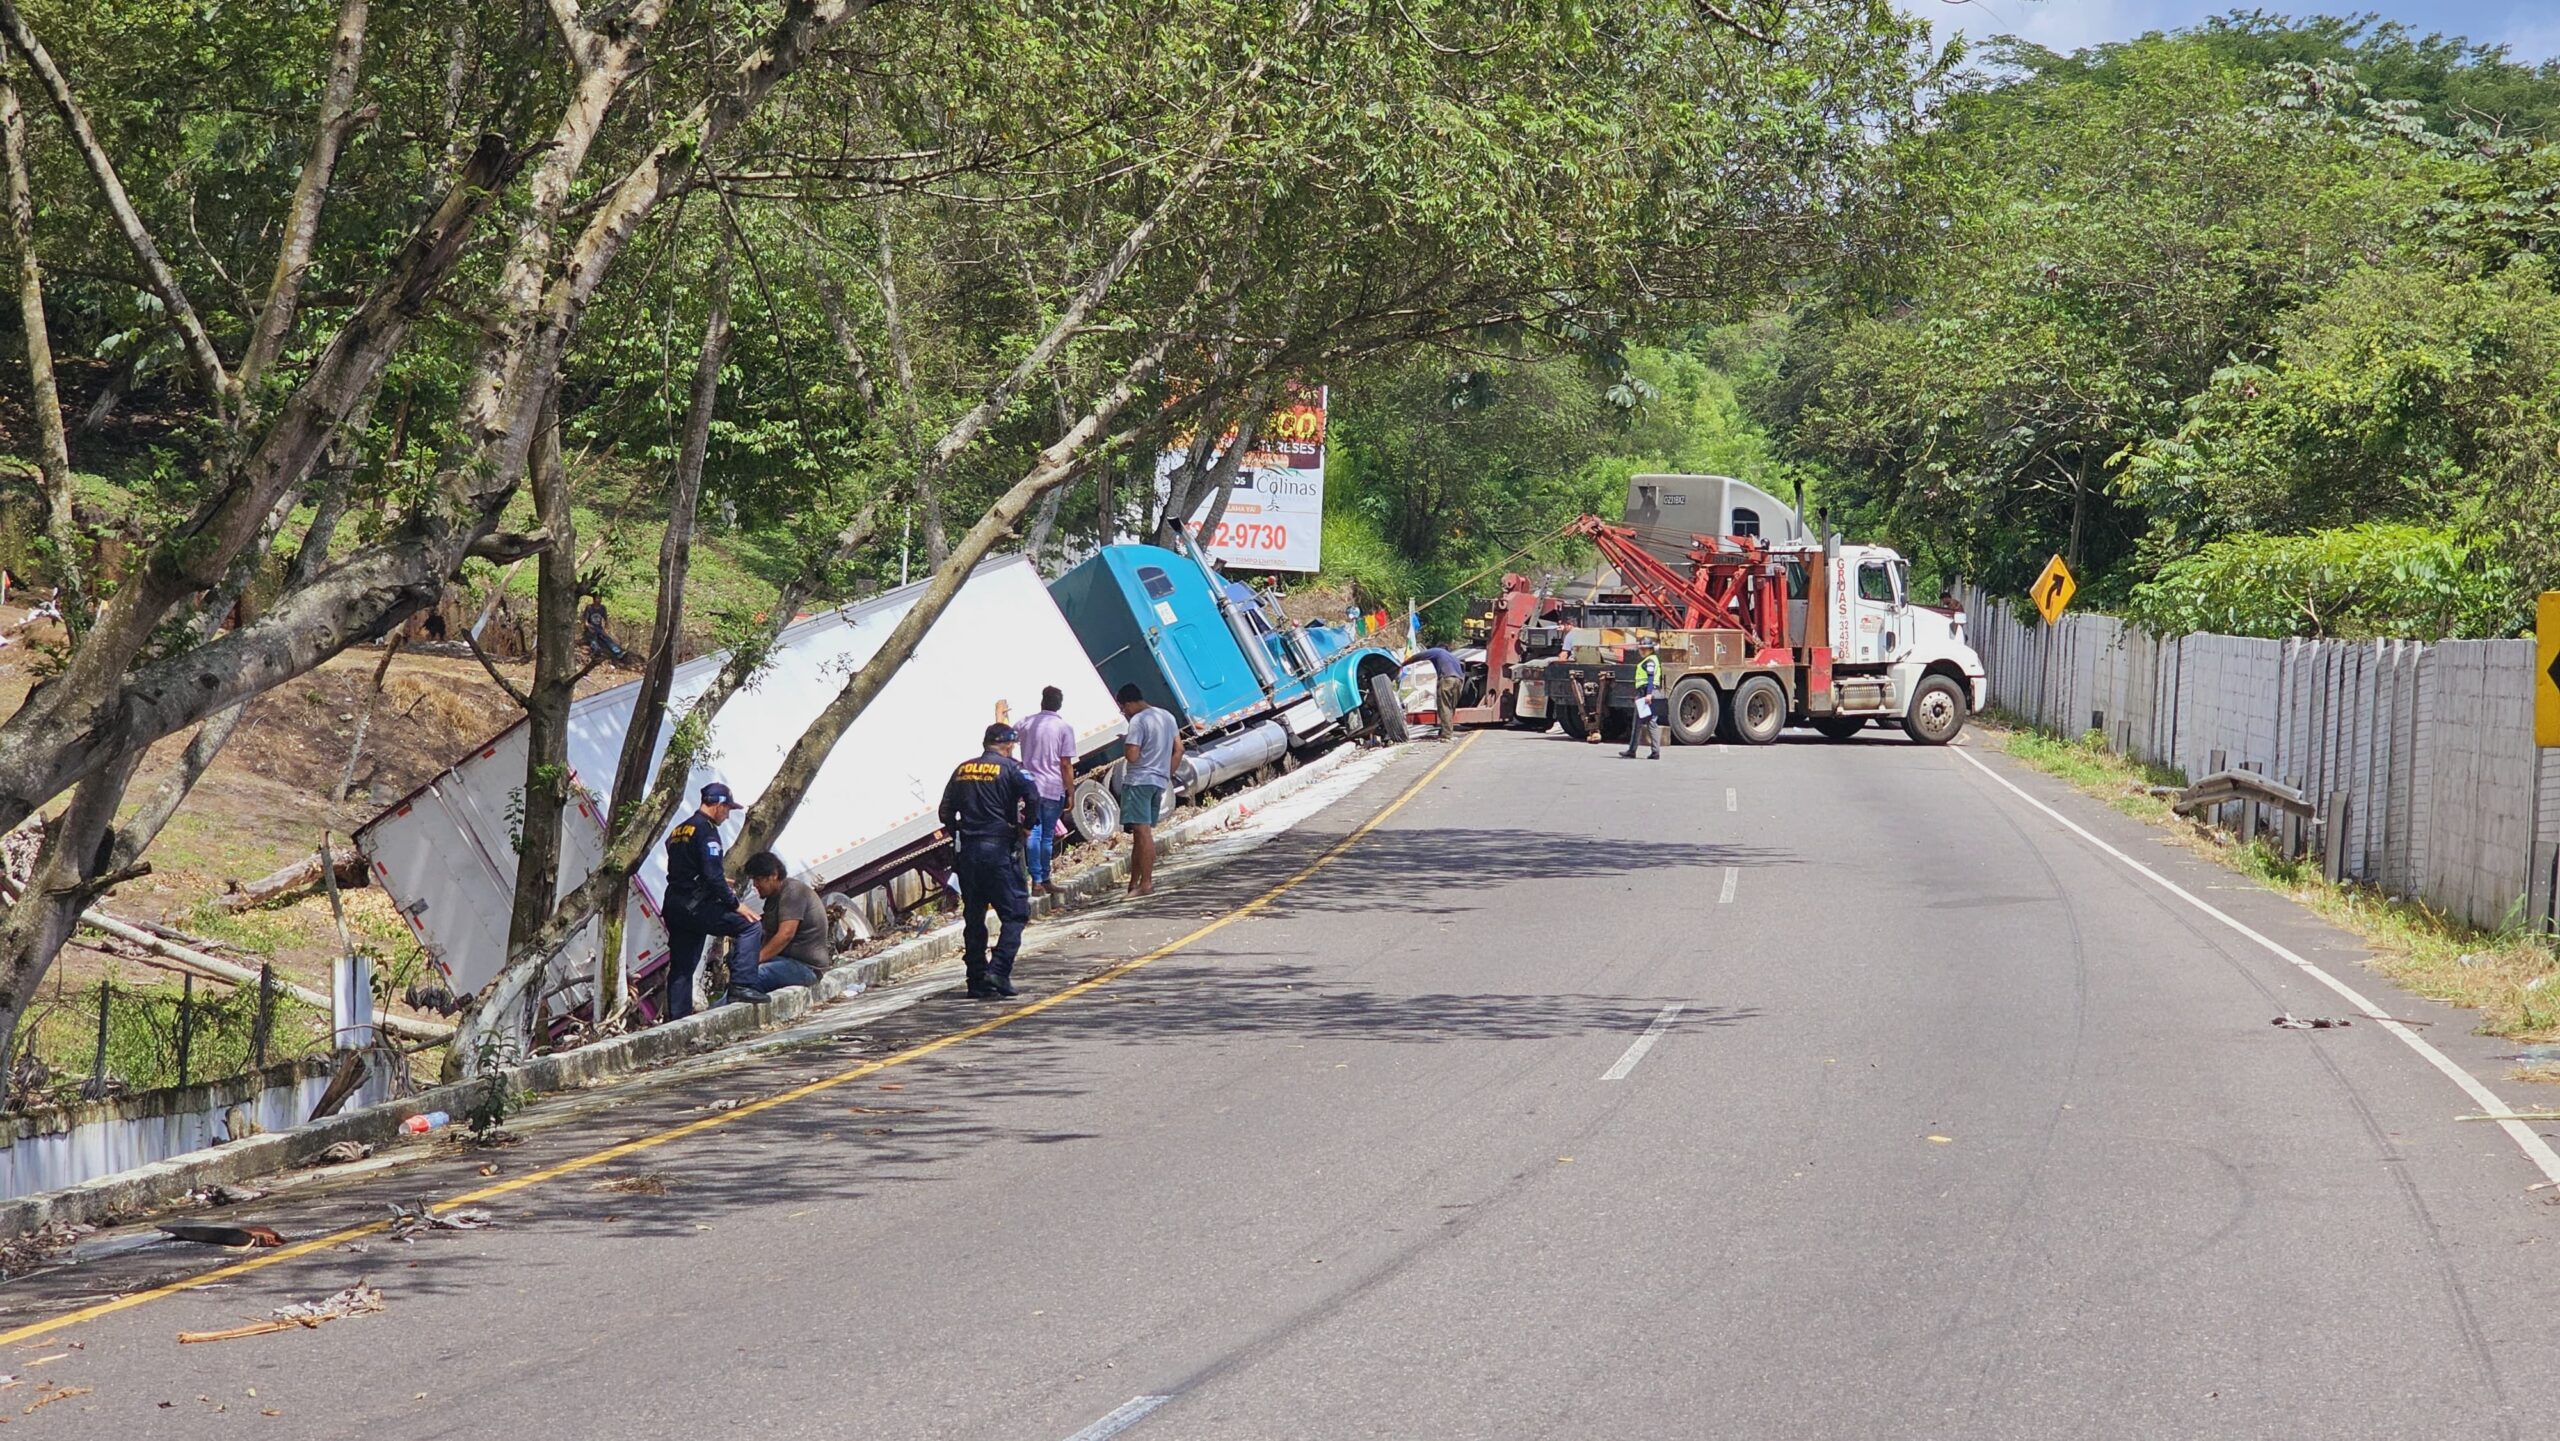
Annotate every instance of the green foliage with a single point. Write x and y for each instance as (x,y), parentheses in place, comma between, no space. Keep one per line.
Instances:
(2380,580)
(2262,278)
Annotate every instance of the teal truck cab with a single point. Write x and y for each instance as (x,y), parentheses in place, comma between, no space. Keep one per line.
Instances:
(1249,689)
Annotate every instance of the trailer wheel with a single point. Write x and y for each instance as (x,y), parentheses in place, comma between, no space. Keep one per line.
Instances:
(1759,710)
(1839,727)
(1937,712)
(1695,708)
(1571,719)
(1094,811)
(1386,709)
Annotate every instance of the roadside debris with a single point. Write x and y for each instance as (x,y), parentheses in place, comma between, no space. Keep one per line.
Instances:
(2291,1022)
(408,1220)
(646,1183)
(344,1152)
(211,1233)
(219,1194)
(57,1393)
(21,1254)
(360,1299)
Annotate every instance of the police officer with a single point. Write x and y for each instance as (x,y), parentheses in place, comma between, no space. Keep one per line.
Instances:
(700,903)
(1648,712)
(988,807)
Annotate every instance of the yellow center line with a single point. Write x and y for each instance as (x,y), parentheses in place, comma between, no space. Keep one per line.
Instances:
(802,1092)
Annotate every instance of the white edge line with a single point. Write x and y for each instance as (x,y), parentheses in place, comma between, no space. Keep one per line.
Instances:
(1732,880)
(1626,1063)
(1128,1414)
(2536,1149)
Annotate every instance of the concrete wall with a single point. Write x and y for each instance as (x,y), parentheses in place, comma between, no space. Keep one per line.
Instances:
(46,1150)
(2432,744)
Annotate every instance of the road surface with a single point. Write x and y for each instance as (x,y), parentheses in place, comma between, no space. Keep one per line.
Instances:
(1809,1091)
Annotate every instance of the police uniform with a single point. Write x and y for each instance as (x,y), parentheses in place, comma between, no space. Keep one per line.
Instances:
(699,903)
(988,806)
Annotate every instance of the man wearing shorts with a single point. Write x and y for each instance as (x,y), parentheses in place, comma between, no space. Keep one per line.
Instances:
(1153,750)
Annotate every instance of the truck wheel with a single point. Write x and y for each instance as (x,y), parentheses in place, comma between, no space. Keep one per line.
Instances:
(1759,710)
(1571,719)
(1094,811)
(1937,712)
(1694,710)
(1387,709)
(1839,727)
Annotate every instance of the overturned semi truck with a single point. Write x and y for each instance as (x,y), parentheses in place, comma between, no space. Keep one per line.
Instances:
(1252,692)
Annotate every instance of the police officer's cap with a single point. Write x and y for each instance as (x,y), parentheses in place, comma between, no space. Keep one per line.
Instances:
(998,734)
(716,794)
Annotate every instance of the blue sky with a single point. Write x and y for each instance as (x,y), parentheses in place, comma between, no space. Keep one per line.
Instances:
(2530,28)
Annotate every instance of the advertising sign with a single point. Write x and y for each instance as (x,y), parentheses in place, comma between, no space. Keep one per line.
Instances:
(1275,519)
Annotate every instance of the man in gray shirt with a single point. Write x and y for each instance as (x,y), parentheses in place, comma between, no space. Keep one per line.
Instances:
(1153,751)
(796,943)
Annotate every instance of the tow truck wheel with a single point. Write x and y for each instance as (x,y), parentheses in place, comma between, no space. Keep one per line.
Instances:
(1694,707)
(1937,712)
(1386,708)
(1094,811)
(1759,710)
(1839,727)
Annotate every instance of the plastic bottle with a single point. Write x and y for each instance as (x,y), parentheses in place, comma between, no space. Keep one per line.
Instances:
(420,1125)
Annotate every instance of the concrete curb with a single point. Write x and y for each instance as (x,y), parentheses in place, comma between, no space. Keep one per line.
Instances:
(143,1188)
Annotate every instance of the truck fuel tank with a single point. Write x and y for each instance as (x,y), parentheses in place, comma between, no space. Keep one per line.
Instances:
(1222,760)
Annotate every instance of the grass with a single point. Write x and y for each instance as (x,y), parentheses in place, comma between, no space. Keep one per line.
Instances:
(2512,979)
(142,1034)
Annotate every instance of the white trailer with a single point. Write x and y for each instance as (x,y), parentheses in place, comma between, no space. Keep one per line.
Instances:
(446,853)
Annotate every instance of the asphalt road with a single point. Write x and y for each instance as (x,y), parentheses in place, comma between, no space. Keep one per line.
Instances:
(1812,1091)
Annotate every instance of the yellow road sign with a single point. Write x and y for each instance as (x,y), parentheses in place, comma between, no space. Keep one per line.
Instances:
(2054,589)
(2546,668)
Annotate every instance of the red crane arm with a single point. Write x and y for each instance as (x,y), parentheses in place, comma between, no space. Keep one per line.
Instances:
(1688,604)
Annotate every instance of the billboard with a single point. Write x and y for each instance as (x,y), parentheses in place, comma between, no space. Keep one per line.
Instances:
(1275,519)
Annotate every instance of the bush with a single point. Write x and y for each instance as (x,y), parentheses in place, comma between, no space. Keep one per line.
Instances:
(2362,582)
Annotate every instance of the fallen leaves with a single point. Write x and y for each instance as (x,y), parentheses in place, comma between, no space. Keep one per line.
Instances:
(646,1183)
(345,1151)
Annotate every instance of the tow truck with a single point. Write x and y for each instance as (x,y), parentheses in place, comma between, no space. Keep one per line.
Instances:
(1761,635)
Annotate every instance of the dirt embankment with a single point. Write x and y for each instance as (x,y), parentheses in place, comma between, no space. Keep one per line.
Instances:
(266,801)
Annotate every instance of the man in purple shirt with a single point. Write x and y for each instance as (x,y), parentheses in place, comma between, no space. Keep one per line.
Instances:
(1049,758)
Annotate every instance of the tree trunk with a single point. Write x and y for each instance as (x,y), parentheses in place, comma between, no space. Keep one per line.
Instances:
(338,118)
(53,446)
(554,686)
(1222,484)
(774,809)
(2079,511)
(162,280)
(937,539)
(666,630)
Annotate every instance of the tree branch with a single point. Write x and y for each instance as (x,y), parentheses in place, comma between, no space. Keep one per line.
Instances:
(53,446)
(164,281)
(338,119)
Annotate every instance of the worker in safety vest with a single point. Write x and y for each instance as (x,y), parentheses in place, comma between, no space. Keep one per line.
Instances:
(1648,716)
